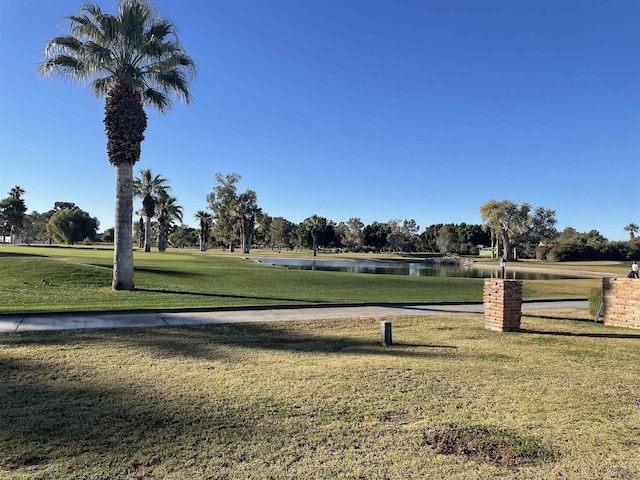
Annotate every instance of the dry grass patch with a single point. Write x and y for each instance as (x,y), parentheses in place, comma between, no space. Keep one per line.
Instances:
(323,399)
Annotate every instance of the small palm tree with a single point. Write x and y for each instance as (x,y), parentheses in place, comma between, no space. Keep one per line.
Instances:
(632,228)
(133,58)
(148,188)
(141,229)
(16,192)
(315,225)
(167,211)
(205,228)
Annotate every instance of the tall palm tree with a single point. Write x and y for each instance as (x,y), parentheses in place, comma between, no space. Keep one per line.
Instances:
(148,188)
(167,210)
(632,228)
(134,59)
(205,228)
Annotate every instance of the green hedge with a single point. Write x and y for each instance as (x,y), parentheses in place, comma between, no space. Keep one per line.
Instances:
(595,300)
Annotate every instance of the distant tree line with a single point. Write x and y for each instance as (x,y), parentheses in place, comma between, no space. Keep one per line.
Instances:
(518,231)
(572,245)
(234,220)
(64,223)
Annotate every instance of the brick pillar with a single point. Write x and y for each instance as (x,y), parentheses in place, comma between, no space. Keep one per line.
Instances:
(502,304)
(621,302)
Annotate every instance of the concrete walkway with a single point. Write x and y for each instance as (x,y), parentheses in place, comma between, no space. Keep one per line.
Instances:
(65,321)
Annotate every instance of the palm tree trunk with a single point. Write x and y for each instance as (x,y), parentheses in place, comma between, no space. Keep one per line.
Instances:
(147,233)
(141,233)
(123,237)
(161,237)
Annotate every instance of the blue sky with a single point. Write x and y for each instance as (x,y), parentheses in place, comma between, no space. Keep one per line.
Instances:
(420,109)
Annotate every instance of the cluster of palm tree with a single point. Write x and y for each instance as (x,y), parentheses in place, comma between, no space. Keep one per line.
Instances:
(156,201)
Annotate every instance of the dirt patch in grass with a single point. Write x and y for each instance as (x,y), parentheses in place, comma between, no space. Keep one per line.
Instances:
(489,445)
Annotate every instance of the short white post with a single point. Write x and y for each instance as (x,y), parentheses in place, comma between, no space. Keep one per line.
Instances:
(385,331)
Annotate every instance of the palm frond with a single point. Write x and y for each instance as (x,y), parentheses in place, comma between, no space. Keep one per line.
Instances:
(157,99)
(64,66)
(175,60)
(174,81)
(110,28)
(134,16)
(59,45)
(167,208)
(98,53)
(84,26)
(145,183)
(159,31)
(132,45)
(100,86)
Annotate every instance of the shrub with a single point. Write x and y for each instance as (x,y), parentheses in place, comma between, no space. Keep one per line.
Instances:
(541,252)
(595,300)
(563,253)
(107,236)
(633,249)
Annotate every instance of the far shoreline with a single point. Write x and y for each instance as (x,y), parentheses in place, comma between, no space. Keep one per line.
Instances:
(490,264)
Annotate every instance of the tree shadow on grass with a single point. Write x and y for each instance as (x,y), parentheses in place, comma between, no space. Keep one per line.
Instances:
(558,317)
(48,416)
(227,295)
(207,341)
(425,309)
(635,335)
(211,342)
(18,254)
(579,334)
(53,413)
(107,265)
(166,272)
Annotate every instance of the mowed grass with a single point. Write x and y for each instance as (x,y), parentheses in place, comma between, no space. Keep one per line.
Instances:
(323,399)
(67,279)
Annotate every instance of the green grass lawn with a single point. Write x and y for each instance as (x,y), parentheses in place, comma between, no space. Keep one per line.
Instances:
(323,399)
(80,279)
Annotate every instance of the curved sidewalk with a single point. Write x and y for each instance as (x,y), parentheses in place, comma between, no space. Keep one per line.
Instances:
(65,321)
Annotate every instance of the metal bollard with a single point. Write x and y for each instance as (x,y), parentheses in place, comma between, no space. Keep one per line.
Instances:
(385,331)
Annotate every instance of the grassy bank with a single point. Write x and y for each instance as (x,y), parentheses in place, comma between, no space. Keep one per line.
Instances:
(58,278)
(324,399)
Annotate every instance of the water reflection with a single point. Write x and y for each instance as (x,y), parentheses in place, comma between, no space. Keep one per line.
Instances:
(416,269)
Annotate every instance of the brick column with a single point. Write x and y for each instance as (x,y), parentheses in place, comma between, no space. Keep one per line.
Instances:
(502,304)
(621,298)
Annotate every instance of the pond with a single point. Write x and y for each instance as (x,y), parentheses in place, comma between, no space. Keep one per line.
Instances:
(413,268)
